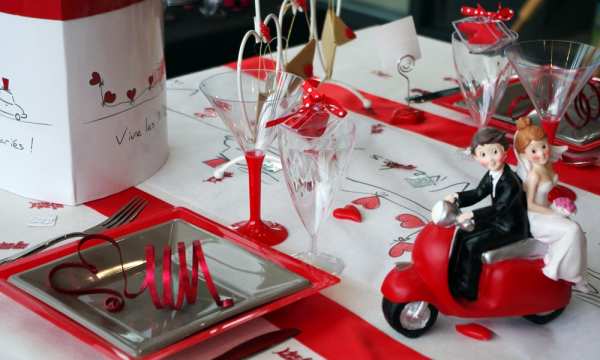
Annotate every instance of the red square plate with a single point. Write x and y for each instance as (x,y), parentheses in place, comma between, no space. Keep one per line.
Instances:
(25,281)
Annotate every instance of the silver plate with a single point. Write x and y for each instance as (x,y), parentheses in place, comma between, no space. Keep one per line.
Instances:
(140,328)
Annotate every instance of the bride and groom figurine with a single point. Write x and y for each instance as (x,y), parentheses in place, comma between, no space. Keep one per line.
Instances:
(519,209)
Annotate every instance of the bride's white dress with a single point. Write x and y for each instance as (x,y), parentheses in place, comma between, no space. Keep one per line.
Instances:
(567,248)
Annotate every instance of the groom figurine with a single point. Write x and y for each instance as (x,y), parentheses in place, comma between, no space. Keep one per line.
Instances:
(503,222)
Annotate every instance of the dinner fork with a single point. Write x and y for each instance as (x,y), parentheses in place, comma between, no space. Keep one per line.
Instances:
(124,215)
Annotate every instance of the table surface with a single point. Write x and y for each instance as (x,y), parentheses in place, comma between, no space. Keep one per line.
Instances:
(364,247)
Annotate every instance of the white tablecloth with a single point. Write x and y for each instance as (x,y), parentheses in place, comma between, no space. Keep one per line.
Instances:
(364,246)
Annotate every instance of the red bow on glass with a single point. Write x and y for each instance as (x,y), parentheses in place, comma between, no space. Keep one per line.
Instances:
(313,104)
(503,13)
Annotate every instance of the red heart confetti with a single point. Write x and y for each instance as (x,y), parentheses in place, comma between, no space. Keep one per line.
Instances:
(409,221)
(109,97)
(213,163)
(400,248)
(131,94)
(349,212)
(475,331)
(368,202)
(95,80)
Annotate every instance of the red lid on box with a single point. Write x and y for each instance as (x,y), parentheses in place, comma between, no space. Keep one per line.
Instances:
(62,9)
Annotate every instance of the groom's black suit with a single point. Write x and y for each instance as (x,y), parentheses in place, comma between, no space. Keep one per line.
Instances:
(504,222)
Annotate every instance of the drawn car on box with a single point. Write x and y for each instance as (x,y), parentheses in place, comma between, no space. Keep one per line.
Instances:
(9,108)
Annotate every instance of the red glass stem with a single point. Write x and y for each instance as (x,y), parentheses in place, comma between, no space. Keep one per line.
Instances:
(550,128)
(254,160)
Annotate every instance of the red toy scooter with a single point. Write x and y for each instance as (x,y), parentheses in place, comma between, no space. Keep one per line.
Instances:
(511,283)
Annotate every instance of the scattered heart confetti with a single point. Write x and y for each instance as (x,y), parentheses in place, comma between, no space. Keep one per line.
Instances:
(400,248)
(349,212)
(475,331)
(368,202)
(409,221)
(213,163)
(95,80)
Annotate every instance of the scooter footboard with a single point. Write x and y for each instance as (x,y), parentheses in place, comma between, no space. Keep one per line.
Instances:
(518,287)
(402,285)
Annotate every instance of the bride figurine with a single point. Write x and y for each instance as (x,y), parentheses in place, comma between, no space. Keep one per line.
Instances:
(567,250)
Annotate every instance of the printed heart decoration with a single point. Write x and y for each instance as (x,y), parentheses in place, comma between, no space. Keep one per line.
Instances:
(409,221)
(475,331)
(150,80)
(109,97)
(213,163)
(400,248)
(349,33)
(95,80)
(349,212)
(368,202)
(308,70)
(131,94)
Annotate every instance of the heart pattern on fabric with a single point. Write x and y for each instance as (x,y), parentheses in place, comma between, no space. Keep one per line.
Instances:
(95,79)
(213,163)
(400,248)
(368,202)
(409,221)
(109,97)
(349,212)
(131,94)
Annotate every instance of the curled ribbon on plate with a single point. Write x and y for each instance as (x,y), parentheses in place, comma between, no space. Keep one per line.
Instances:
(502,14)
(585,107)
(313,103)
(116,301)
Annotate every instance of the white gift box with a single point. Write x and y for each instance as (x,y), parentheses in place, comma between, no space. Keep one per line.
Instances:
(82,98)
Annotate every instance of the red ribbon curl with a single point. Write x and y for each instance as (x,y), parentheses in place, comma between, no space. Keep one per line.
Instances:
(116,301)
(313,103)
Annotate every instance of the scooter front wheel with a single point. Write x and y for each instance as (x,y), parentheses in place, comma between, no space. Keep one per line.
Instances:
(411,319)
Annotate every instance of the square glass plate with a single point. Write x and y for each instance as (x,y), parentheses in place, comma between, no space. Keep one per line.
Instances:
(254,277)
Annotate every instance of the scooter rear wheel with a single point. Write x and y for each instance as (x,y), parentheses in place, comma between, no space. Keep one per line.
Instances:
(542,319)
(399,317)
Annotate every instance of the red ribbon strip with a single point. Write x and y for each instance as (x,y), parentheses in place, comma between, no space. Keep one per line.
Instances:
(313,103)
(502,14)
(116,301)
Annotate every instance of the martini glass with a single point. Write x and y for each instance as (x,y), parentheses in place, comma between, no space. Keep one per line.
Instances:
(263,95)
(553,72)
(482,76)
(315,157)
